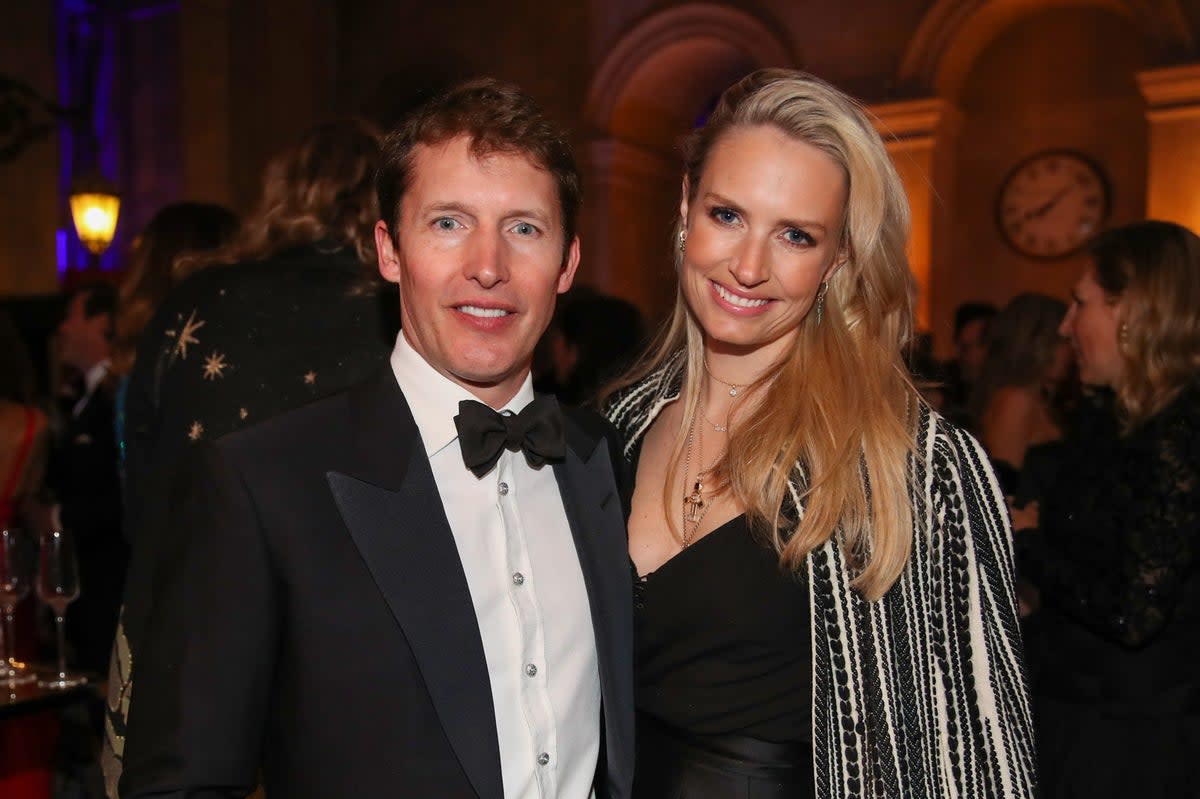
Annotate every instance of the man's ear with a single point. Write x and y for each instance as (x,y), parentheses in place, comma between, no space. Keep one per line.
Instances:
(385,249)
(570,264)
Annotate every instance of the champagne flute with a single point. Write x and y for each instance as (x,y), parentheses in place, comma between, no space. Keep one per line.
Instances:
(58,586)
(16,571)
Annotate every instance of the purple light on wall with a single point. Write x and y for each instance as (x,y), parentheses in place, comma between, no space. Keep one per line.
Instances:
(60,251)
(85,56)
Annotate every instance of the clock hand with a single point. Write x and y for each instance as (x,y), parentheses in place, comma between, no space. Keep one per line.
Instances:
(1044,208)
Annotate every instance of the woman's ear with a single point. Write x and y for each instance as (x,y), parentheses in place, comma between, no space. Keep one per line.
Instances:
(683,204)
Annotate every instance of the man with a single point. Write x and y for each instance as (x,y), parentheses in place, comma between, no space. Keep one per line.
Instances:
(970,348)
(397,591)
(82,475)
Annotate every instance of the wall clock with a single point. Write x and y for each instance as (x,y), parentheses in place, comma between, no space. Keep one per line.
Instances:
(1051,203)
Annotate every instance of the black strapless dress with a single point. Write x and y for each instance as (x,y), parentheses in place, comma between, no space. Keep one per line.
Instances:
(724,674)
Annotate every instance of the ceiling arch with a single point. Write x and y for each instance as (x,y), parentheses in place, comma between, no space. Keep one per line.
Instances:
(954,33)
(675,53)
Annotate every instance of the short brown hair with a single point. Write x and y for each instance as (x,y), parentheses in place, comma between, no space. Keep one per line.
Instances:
(1153,269)
(498,118)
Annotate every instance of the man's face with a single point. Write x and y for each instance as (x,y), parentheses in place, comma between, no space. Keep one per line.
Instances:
(479,260)
(83,339)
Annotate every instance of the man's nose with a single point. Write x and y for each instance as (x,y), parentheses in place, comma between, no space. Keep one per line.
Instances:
(487,262)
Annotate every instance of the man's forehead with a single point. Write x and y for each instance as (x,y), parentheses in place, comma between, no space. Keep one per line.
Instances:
(438,170)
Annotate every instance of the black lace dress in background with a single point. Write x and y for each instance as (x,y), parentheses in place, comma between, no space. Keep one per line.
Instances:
(1118,678)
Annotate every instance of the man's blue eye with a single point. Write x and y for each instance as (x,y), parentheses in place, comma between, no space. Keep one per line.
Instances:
(446,223)
(525,229)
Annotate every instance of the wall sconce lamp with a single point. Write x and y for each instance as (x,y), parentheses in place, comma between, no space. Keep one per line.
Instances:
(95,206)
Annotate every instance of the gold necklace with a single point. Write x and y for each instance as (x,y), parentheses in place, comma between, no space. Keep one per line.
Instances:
(694,506)
(733,388)
(720,428)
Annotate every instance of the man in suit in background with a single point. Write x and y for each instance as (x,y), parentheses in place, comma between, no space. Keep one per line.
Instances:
(83,478)
(398,591)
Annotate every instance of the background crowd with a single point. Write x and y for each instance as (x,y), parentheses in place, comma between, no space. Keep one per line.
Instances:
(1087,407)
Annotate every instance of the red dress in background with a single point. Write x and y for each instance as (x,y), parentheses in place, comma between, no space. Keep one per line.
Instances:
(27,743)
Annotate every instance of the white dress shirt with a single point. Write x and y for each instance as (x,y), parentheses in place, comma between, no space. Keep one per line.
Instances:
(92,378)
(527,588)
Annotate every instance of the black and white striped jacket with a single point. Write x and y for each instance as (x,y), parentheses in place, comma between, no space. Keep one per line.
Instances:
(923,692)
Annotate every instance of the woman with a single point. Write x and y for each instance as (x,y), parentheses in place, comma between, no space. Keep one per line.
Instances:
(26,743)
(179,230)
(775,656)
(1016,398)
(291,311)
(1118,693)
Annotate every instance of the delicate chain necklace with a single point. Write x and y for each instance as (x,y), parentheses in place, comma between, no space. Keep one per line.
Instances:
(694,506)
(720,428)
(733,388)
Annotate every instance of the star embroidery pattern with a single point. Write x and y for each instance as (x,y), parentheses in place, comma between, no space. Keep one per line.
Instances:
(310,378)
(243,413)
(215,366)
(187,335)
(195,431)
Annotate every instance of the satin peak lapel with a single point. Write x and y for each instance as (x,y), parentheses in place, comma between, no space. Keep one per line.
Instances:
(406,542)
(597,522)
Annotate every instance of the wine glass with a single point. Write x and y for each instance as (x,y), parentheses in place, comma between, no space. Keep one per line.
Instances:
(16,571)
(58,586)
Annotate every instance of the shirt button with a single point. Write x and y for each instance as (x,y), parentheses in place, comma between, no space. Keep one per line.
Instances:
(531,670)
(518,578)
(543,759)
(503,489)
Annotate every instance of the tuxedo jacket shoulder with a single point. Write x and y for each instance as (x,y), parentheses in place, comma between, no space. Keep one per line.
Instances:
(315,620)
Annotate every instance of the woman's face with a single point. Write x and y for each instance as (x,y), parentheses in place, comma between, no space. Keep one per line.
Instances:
(763,230)
(1091,326)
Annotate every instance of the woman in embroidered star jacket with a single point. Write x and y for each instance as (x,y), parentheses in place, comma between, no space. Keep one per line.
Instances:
(825,604)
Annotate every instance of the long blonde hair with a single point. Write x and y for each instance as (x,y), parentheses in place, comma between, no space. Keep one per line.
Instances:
(321,191)
(844,386)
(1153,269)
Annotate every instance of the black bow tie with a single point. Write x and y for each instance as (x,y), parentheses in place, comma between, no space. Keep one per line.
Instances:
(483,433)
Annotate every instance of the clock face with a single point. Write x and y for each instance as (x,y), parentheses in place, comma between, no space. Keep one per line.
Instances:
(1051,203)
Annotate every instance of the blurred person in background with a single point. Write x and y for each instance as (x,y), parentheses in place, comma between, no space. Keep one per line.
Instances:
(1020,383)
(292,310)
(970,327)
(594,338)
(82,475)
(23,426)
(184,229)
(26,743)
(1115,553)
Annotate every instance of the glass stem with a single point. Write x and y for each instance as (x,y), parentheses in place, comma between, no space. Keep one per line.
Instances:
(62,645)
(7,645)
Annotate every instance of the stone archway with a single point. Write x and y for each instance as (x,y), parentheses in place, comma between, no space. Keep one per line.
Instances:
(953,42)
(650,90)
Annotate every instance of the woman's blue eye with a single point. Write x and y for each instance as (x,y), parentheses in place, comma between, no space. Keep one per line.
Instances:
(724,215)
(798,236)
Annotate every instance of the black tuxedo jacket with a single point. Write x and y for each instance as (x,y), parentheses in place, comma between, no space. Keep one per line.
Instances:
(315,622)
(82,474)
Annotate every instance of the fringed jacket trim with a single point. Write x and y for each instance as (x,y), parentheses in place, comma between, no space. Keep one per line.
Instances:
(923,692)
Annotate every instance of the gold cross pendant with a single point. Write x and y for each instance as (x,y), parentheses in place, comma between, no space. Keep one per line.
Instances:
(694,502)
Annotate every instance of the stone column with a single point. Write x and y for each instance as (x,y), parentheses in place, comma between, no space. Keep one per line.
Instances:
(909,129)
(1173,117)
